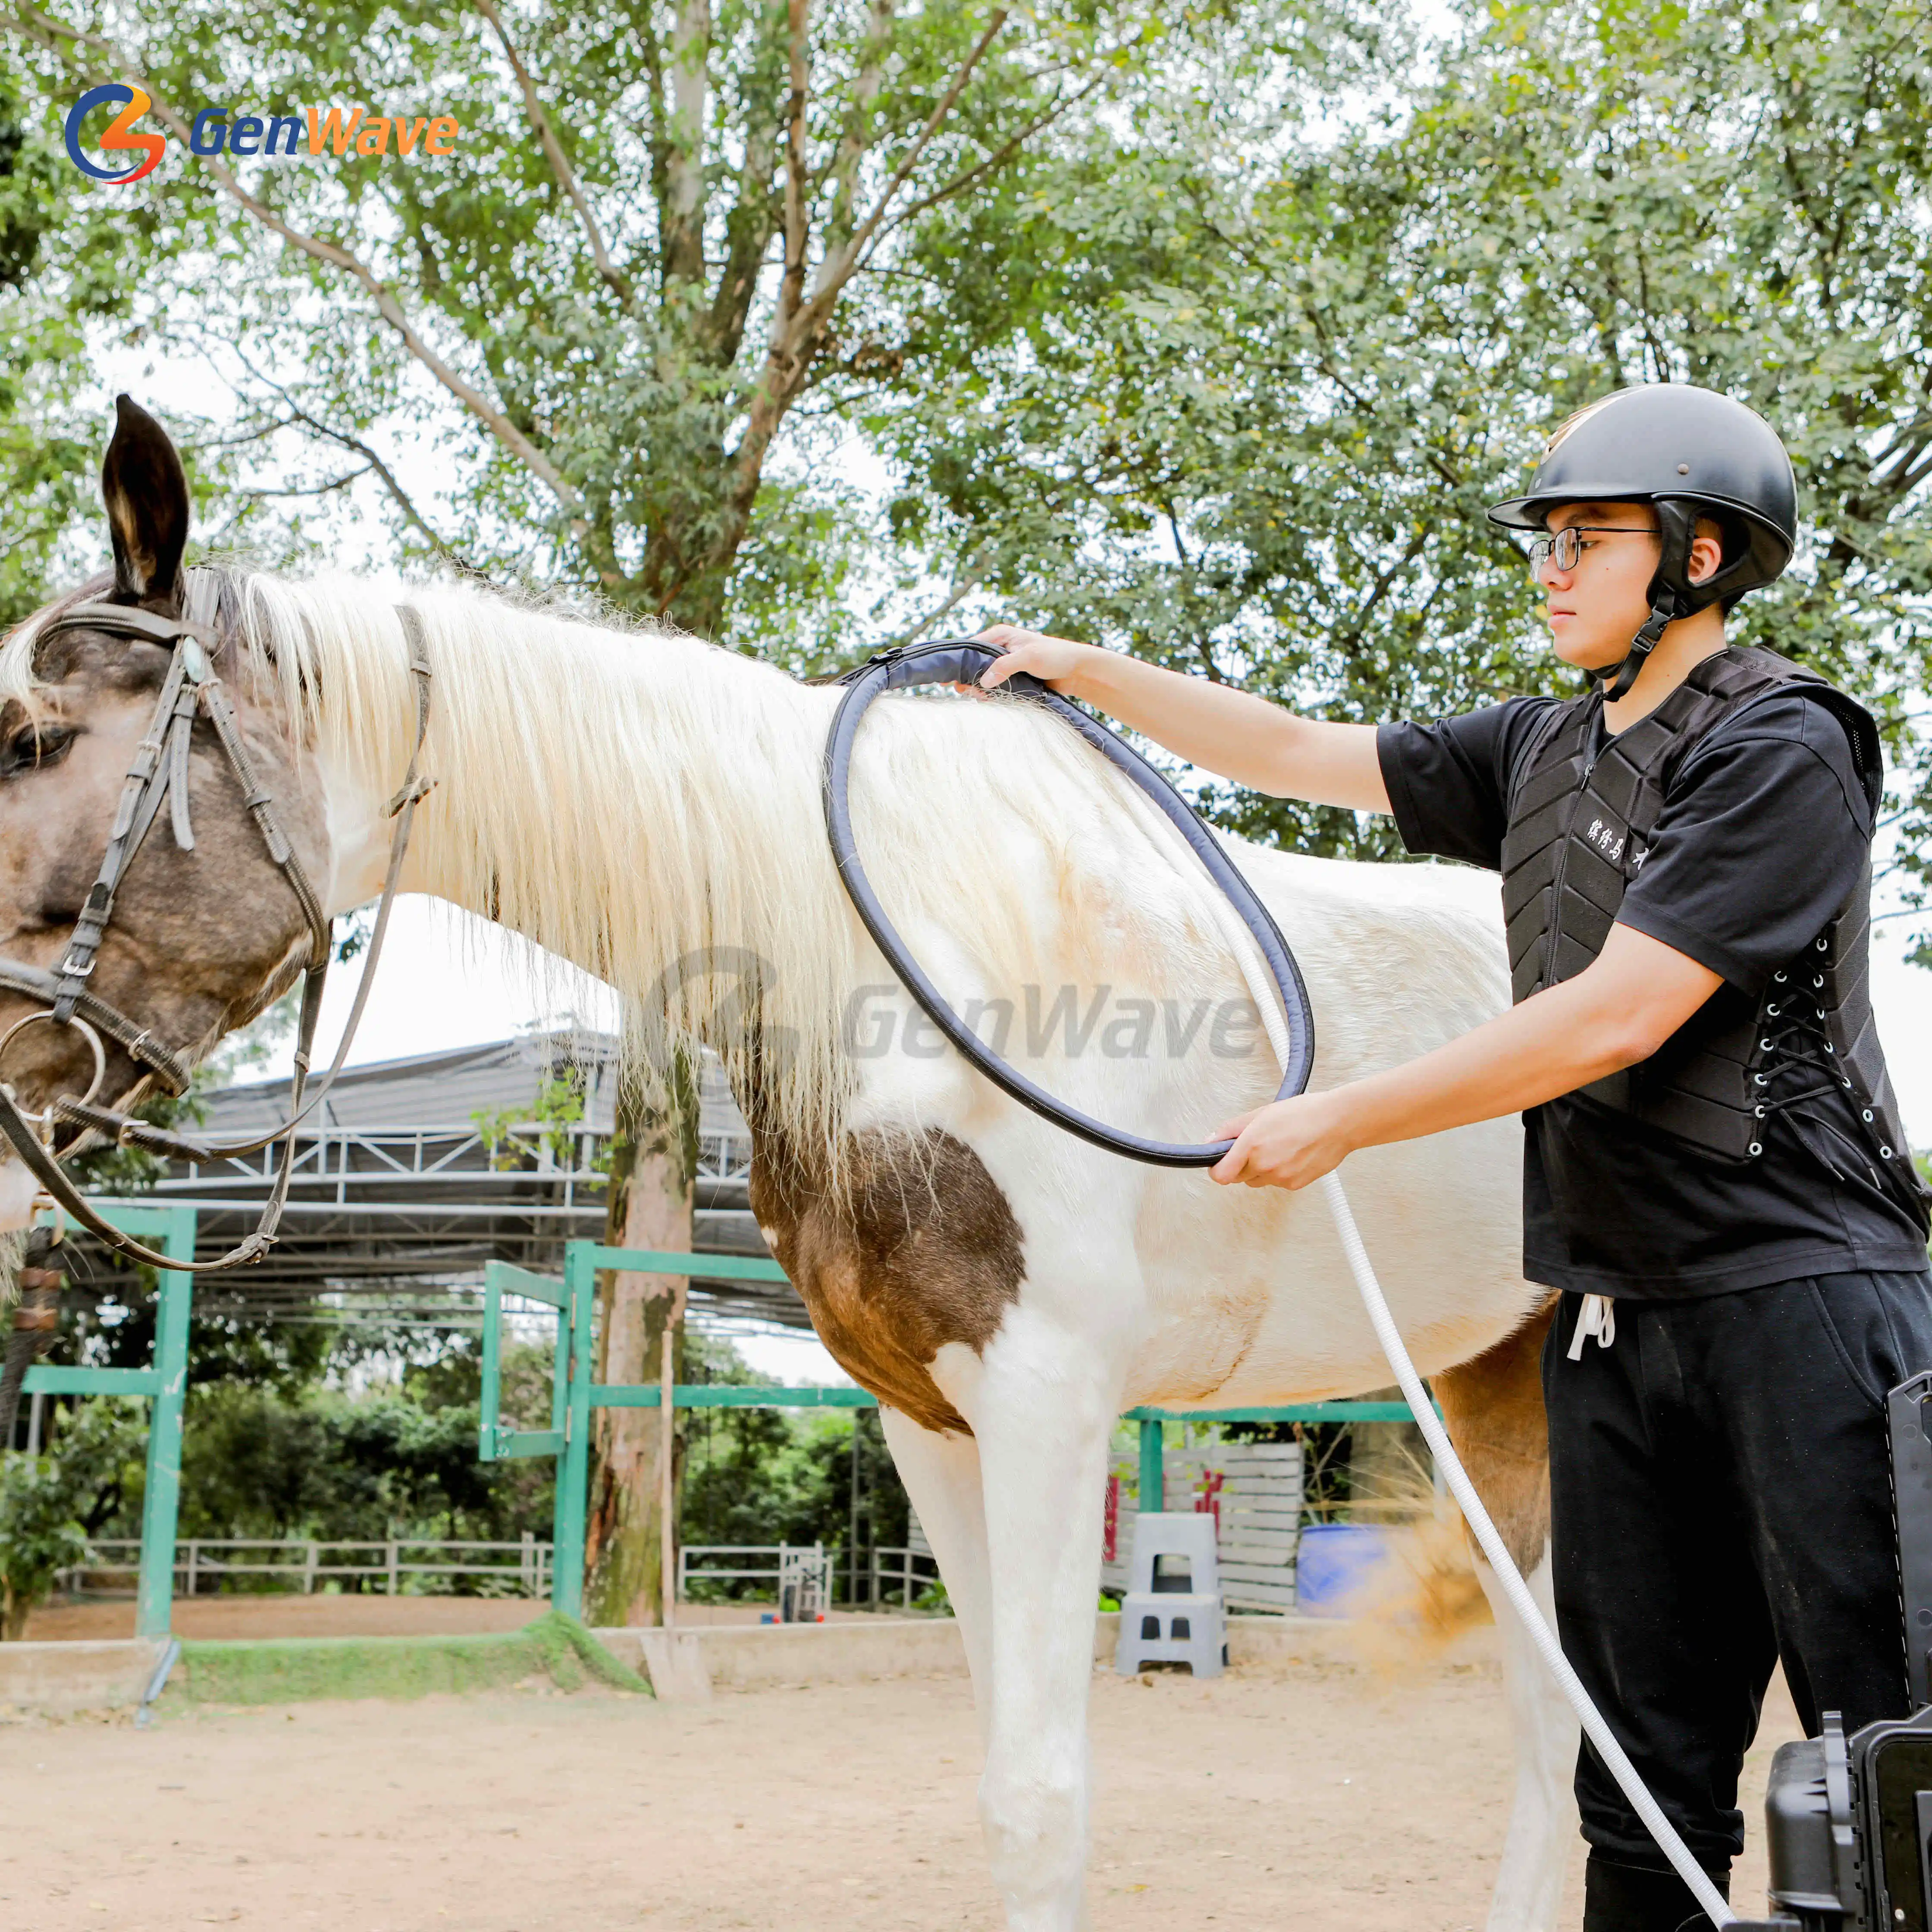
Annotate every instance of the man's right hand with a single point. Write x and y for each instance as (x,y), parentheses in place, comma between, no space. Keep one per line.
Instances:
(1053,661)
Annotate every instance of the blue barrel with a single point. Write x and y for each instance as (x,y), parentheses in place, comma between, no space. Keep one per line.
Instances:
(1333,1562)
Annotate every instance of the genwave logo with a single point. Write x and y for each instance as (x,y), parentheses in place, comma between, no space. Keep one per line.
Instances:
(119,137)
(312,132)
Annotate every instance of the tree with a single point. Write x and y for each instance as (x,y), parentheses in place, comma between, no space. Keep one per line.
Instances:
(1250,423)
(39,1537)
(65,268)
(665,226)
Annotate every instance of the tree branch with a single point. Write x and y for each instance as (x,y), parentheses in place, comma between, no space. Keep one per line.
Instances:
(852,143)
(793,335)
(757,212)
(791,288)
(381,469)
(961,589)
(998,159)
(50,33)
(559,163)
(836,270)
(684,183)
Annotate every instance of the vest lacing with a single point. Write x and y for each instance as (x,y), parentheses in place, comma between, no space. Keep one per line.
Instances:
(1800,1068)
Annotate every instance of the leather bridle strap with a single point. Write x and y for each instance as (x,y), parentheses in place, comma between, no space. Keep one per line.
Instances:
(161,766)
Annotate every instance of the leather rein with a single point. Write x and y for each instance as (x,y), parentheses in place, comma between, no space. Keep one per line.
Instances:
(159,774)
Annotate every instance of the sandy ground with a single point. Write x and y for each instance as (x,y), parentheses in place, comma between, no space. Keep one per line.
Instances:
(339,1616)
(1322,1800)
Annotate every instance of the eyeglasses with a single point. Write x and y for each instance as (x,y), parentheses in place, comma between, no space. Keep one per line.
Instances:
(1565,547)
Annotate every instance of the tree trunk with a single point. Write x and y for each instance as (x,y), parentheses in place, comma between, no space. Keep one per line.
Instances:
(654,1164)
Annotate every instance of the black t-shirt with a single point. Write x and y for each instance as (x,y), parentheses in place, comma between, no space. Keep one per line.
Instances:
(1764,831)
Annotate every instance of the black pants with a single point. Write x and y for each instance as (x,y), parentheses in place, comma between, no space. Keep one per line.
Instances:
(1721,1501)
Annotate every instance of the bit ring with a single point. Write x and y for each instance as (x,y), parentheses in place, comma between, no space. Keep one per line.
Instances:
(45,1116)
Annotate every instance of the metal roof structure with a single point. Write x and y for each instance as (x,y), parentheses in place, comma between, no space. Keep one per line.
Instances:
(414,1173)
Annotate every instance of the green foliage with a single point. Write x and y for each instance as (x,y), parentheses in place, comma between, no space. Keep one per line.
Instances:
(772,1476)
(1266,380)
(557,1108)
(600,279)
(66,263)
(38,1536)
(257,1462)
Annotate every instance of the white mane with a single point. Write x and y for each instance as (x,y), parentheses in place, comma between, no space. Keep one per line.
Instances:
(643,803)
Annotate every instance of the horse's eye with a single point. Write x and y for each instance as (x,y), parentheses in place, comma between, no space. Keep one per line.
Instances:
(29,749)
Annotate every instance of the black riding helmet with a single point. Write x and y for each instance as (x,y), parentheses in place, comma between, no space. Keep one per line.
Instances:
(1688,452)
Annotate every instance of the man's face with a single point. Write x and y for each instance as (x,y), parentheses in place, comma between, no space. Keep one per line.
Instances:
(1595,610)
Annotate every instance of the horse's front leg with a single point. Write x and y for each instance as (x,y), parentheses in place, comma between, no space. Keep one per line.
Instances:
(941,1474)
(1042,1406)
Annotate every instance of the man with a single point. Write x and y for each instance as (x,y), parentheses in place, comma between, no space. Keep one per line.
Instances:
(1715,1176)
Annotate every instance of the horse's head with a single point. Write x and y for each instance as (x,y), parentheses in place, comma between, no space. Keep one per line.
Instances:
(201,935)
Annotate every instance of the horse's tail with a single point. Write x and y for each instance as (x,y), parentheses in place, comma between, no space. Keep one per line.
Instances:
(1412,1608)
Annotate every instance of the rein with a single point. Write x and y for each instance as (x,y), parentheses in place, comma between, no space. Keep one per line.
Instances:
(159,774)
(959,660)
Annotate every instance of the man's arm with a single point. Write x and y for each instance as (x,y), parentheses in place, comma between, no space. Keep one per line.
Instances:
(1247,739)
(1619,1010)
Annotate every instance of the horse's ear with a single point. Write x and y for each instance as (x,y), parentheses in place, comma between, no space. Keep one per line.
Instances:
(146,489)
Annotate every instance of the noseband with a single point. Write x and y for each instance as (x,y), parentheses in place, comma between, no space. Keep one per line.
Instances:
(159,774)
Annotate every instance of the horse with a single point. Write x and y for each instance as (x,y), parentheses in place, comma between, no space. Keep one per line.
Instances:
(647,805)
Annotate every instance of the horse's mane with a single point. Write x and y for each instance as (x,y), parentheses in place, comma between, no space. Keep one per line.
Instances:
(648,805)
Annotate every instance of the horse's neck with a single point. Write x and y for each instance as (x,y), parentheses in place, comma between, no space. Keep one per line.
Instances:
(646,807)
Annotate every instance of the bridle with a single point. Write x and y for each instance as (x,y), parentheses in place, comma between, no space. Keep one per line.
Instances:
(159,774)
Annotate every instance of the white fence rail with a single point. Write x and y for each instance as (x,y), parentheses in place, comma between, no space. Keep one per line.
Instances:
(801,1573)
(906,1574)
(303,1564)
(910,1573)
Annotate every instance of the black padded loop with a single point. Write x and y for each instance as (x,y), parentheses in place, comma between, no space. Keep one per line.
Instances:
(960,661)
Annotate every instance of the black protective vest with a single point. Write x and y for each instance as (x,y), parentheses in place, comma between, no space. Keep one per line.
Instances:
(1579,829)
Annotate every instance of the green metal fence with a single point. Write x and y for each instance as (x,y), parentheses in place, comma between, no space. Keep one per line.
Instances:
(164,1382)
(574,1394)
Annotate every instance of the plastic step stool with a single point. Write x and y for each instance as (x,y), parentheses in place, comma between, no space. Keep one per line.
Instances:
(1172,1611)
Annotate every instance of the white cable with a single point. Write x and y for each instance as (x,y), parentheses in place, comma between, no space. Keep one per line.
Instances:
(1613,1753)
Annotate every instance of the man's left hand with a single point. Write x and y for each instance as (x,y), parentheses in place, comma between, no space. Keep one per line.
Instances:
(1286,1143)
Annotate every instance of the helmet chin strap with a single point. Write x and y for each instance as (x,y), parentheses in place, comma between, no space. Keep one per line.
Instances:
(1615,683)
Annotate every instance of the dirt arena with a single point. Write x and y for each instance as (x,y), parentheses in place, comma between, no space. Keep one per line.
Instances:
(1319,1799)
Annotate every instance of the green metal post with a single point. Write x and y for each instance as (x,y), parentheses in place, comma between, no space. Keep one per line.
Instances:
(1152,1484)
(161,1509)
(573,1469)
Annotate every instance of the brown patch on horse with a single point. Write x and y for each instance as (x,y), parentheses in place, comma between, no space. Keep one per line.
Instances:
(917,1247)
(1492,1406)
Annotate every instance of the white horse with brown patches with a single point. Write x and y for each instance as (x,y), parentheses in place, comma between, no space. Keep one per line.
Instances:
(648,806)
